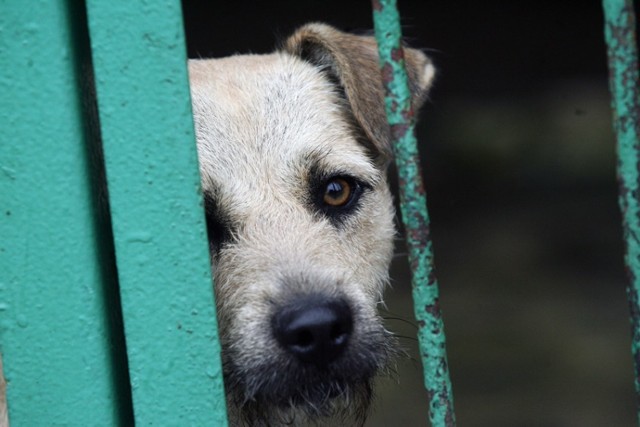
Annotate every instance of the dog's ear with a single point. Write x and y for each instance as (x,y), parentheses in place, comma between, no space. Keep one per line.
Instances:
(352,63)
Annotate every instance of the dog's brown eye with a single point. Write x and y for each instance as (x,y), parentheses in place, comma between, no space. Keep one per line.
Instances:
(337,196)
(337,192)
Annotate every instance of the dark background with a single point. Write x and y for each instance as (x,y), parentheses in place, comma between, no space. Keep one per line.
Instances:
(520,171)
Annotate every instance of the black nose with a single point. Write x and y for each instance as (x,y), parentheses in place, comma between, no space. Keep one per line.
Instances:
(313,329)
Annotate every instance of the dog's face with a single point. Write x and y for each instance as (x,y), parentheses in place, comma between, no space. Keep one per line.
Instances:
(293,148)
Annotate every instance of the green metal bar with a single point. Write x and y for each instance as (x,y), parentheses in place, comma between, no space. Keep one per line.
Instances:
(624,84)
(413,205)
(59,338)
(156,208)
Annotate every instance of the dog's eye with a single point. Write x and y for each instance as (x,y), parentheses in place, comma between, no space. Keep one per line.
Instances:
(337,192)
(337,196)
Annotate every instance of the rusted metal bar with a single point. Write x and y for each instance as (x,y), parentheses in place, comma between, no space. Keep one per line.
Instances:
(623,82)
(414,214)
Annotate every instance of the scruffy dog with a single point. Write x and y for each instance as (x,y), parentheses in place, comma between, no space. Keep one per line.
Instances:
(293,151)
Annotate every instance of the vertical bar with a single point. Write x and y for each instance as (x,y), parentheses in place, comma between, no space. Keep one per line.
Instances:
(156,208)
(413,204)
(623,82)
(58,319)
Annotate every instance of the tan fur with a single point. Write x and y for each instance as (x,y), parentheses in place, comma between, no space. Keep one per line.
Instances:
(263,123)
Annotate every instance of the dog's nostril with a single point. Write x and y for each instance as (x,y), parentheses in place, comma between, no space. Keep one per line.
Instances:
(304,338)
(314,330)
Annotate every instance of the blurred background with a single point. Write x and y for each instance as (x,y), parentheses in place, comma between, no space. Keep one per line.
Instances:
(519,162)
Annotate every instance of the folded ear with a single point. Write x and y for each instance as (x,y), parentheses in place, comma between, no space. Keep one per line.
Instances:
(352,63)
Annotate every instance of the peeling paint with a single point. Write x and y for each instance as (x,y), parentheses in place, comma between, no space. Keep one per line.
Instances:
(414,214)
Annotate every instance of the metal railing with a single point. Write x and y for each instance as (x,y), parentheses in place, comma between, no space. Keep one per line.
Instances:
(97,97)
(413,204)
(85,107)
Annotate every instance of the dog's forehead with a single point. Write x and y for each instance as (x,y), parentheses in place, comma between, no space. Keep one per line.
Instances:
(266,117)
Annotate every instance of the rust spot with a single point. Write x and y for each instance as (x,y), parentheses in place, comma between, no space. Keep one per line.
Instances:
(397,54)
(433,309)
(387,75)
(377,6)
(408,114)
(399,130)
(448,418)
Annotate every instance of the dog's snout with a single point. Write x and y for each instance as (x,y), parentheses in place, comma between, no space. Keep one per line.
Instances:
(314,330)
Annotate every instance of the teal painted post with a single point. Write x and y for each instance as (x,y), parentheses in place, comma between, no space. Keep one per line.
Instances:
(156,208)
(625,90)
(413,204)
(58,319)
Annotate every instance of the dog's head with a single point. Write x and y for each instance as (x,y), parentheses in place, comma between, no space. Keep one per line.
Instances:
(293,149)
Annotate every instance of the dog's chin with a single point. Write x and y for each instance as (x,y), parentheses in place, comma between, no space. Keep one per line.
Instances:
(339,401)
(285,391)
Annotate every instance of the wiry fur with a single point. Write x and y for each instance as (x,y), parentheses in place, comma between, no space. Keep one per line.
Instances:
(268,128)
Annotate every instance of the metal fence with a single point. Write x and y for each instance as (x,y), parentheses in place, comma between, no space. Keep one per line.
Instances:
(106,304)
(84,342)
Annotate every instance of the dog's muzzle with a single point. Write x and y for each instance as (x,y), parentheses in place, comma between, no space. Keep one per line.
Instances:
(325,355)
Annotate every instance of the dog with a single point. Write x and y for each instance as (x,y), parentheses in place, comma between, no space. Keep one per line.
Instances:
(293,149)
